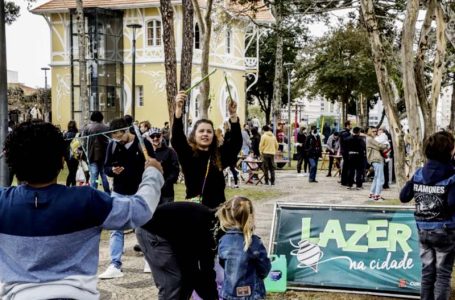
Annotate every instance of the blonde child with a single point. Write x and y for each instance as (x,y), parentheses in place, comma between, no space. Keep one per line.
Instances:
(241,253)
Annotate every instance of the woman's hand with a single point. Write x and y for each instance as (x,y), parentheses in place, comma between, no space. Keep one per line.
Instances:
(233,111)
(179,103)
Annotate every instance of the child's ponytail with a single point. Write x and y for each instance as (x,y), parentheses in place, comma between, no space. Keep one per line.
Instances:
(238,213)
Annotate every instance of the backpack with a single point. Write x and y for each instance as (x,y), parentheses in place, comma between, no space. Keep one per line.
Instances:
(75,146)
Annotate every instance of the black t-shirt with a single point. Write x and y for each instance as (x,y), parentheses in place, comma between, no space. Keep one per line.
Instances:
(185,225)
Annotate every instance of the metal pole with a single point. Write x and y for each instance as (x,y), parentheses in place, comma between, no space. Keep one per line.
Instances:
(289,116)
(4,171)
(133,102)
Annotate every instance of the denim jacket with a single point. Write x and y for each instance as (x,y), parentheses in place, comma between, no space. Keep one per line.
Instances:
(243,271)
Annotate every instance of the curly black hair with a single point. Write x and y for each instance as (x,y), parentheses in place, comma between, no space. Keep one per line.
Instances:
(34,151)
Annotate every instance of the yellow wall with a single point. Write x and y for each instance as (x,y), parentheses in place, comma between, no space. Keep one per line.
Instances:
(150,68)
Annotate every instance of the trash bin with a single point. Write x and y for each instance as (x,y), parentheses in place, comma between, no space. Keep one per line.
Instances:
(276,280)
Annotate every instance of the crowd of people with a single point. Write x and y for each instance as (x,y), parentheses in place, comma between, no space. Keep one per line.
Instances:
(358,154)
(58,219)
(204,247)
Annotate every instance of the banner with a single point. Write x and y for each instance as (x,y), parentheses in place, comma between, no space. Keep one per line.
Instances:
(369,248)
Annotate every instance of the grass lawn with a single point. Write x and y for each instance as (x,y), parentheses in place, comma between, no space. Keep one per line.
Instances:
(254,193)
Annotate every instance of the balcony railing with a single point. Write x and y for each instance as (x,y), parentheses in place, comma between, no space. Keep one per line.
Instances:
(251,62)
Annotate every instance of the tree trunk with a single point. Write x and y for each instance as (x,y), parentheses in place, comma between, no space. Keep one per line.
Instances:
(452,109)
(409,85)
(83,97)
(187,45)
(4,171)
(205,25)
(438,68)
(386,88)
(278,80)
(382,119)
(419,68)
(170,60)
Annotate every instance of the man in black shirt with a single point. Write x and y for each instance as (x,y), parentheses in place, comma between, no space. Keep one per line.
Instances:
(314,151)
(344,135)
(301,139)
(179,244)
(356,151)
(125,163)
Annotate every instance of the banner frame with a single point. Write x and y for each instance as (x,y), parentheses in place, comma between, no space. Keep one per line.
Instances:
(272,243)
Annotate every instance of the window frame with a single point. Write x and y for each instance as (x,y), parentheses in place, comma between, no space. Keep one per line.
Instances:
(156,42)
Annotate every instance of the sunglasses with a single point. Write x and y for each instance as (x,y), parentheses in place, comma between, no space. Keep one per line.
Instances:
(155,136)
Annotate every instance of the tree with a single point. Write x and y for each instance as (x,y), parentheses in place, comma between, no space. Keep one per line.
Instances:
(389,93)
(278,79)
(422,71)
(187,45)
(339,68)
(170,57)
(205,25)
(263,90)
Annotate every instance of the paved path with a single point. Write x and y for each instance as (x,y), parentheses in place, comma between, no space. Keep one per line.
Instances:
(137,285)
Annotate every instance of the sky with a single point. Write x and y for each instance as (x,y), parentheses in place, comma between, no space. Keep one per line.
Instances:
(28,46)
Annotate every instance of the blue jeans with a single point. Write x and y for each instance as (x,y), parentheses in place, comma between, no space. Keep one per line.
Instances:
(116,244)
(313,168)
(437,253)
(378,180)
(245,151)
(97,169)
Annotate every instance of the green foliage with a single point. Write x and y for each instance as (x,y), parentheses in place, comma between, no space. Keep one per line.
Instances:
(338,67)
(264,88)
(12,12)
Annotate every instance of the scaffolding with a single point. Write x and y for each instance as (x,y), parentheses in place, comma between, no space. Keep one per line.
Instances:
(104,33)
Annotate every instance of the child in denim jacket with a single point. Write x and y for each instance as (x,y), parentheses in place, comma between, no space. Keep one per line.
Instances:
(241,253)
(433,189)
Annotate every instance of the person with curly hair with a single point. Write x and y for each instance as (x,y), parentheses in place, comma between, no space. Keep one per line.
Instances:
(50,233)
(201,158)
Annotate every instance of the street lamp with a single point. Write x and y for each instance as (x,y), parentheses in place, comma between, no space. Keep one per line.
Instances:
(133,102)
(44,98)
(45,69)
(288,67)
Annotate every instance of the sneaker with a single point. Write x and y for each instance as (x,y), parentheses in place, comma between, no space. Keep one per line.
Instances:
(147,267)
(349,188)
(236,186)
(359,188)
(328,175)
(111,272)
(137,248)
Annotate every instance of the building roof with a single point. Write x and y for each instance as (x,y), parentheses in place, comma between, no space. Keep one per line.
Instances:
(260,13)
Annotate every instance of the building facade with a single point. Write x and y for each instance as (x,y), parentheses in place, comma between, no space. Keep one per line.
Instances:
(109,59)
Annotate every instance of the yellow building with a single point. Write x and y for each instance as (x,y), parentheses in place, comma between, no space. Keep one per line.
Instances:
(109,59)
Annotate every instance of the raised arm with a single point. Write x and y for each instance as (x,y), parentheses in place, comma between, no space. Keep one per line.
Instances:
(178,139)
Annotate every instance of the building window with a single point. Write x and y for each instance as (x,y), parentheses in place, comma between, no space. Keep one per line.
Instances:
(154,33)
(196,106)
(197,37)
(140,95)
(229,41)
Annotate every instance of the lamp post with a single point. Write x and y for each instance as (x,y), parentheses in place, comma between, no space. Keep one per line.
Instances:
(45,69)
(133,79)
(288,67)
(4,171)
